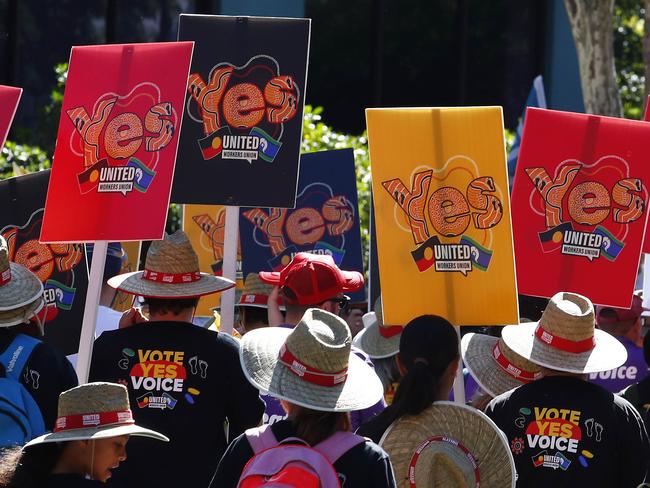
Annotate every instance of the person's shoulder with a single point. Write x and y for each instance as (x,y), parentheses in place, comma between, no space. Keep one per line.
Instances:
(368,452)
(225,340)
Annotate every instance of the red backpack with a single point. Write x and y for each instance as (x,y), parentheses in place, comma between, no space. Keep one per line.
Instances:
(292,462)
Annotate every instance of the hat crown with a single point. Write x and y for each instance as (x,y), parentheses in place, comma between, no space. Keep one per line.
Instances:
(93,398)
(516,359)
(172,255)
(253,285)
(322,341)
(569,316)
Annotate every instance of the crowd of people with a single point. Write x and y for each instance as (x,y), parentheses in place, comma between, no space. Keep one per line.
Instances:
(312,392)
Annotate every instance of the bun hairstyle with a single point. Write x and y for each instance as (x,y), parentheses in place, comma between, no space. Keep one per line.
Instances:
(428,345)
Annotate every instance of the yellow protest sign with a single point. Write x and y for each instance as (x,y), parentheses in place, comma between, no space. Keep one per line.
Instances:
(131,263)
(205,225)
(442,214)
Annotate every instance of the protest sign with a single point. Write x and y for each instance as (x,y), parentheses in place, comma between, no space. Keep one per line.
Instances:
(325,220)
(243,119)
(131,262)
(205,227)
(9,98)
(117,142)
(60,267)
(579,205)
(442,214)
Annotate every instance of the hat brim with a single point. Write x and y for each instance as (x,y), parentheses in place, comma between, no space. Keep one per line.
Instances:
(608,353)
(21,315)
(476,350)
(97,433)
(23,288)
(473,429)
(260,349)
(134,284)
(375,345)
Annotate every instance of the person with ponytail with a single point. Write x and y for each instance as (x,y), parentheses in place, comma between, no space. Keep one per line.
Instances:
(428,360)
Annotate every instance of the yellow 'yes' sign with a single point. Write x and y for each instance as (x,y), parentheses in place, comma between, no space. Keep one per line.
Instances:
(442,213)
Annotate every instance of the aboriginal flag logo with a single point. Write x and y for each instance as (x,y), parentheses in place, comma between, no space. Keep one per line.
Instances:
(243,109)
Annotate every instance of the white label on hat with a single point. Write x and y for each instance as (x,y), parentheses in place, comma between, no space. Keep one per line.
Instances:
(90,419)
(298,368)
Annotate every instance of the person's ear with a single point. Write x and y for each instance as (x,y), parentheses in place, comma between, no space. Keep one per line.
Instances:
(330,307)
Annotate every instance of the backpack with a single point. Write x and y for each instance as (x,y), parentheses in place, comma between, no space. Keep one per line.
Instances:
(293,463)
(20,418)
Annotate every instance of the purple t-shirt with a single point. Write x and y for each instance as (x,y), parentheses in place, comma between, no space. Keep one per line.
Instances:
(634,370)
(471,387)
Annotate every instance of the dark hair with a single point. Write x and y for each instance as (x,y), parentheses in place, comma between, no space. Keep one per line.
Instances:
(646,348)
(612,324)
(427,347)
(253,317)
(313,426)
(170,305)
(28,468)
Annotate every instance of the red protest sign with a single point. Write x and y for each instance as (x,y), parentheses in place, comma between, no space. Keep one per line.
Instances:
(9,98)
(117,142)
(579,205)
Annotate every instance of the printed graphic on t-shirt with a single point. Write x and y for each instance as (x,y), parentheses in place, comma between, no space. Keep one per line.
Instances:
(160,378)
(557,437)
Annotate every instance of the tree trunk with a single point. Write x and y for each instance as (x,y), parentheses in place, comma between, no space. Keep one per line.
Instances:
(592,27)
(646,49)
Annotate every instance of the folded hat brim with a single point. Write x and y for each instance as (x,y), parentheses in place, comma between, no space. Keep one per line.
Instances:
(134,284)
(270,277)
(471,428)
(23,288)
(476,350)
(353,280)
(21,315)
(260,349)
(375,345)
(608,353)
(97,433)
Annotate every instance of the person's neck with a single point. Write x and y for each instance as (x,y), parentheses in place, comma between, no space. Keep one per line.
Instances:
(183,316)
(634,335)
(107,296)
(69,463)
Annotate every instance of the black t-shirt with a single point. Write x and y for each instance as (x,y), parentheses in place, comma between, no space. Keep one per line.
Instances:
(47,373)
(364,465)
(565,432)
(70,481)
(183,381)
(376,426)
(638,395)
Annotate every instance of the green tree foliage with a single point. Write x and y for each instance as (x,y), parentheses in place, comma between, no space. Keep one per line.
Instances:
(629,29)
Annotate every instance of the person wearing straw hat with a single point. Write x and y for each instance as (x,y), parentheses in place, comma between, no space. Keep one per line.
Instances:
(45,372)
(428,360)
(448,445)
(89,440)
(311,281)
(313,371)
(563,430)
(494,366)
(625,325)
(253,304)
(184,380)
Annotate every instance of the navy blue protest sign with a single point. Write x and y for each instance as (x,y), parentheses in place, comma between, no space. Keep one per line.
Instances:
(60,267)
(242,121)
(324,221)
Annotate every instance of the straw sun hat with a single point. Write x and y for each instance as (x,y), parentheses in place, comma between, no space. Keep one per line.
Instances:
(310,365)
(495,367)
(565,338)
(21,292)
(171,270)
(255,293)
(94,411)
(449,445)
(378,340)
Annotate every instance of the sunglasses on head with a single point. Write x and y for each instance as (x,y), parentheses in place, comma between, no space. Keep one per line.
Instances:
(343,302)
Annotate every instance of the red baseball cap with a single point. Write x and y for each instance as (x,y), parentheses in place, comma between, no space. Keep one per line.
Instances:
(314,278)
(621,314)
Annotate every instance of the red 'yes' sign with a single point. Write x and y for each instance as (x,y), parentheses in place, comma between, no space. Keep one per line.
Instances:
(117,142)
(580,205)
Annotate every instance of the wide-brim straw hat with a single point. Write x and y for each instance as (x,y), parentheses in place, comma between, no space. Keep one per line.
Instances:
(94,411)
(20,290)
(495,367)
(255,293)
(449,445)
(565,338)
(378,340)
(289,364)
(171,271)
